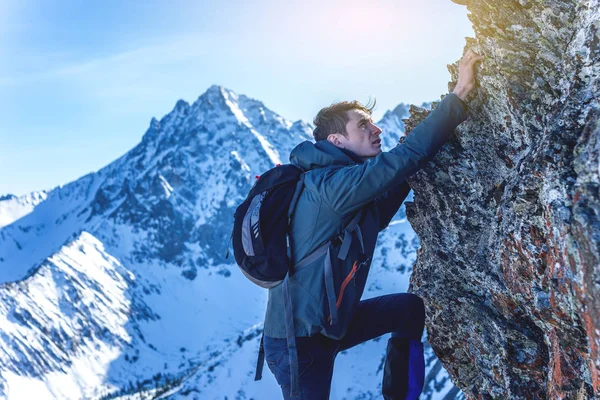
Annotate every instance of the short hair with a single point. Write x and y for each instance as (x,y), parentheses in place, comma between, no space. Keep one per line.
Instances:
(333,119)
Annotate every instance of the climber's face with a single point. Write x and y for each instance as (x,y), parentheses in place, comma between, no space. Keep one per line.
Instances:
(362,136)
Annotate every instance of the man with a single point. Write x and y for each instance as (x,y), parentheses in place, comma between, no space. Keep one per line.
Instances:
(349,178)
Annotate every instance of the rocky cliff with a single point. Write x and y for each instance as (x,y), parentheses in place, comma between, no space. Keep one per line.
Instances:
(508,212)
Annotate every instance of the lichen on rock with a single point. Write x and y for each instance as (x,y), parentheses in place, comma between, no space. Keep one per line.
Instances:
(508,213)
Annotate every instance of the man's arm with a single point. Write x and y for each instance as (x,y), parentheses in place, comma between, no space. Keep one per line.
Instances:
(389,204)
(347,189)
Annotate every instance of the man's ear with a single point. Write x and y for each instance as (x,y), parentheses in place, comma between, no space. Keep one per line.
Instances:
(335,139)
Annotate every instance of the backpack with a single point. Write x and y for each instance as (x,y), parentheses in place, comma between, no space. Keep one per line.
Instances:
(262,249)
(261,244)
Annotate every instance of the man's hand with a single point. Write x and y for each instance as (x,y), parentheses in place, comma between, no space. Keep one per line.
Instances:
(466,74)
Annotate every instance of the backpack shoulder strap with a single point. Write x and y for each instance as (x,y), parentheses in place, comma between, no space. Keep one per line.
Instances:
(297,193)
(291,340)
(324,249)
(347,236)
(354,223)
(260,362)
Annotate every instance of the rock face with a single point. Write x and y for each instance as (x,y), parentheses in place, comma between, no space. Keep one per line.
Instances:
(508,213)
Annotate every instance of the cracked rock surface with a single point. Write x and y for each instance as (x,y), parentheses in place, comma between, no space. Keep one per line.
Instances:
(508,213)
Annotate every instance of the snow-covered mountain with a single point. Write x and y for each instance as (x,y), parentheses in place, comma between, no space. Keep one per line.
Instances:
(116,284)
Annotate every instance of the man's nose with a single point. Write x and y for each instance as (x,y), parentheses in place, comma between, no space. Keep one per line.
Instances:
(375,129)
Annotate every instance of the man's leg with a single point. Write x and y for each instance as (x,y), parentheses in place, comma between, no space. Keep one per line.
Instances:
(316,356)
(403,315)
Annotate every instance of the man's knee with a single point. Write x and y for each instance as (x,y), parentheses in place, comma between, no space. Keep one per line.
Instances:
(418,305)
(415,309)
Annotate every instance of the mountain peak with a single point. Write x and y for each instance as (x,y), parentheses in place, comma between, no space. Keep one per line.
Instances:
(181,105)
(218,91)
(215,88)
(153,130)
(401,110)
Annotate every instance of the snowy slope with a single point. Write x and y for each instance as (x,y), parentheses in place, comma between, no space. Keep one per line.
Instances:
(116,284)
(14,207)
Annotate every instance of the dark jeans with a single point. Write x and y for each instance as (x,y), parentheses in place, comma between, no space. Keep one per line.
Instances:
(401,314)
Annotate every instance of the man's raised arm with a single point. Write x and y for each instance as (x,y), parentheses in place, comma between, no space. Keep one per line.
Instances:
(347,189)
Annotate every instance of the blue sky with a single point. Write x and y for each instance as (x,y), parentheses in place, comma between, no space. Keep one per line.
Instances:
(80,80)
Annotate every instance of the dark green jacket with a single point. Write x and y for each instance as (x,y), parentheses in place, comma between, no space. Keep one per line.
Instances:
(337,184)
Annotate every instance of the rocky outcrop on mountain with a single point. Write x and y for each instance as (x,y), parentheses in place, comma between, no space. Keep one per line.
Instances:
(508,212)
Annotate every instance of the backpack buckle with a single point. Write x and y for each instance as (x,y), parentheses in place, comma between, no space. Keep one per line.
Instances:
(336,241)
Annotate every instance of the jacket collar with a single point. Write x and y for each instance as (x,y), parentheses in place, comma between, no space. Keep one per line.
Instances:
(309,155)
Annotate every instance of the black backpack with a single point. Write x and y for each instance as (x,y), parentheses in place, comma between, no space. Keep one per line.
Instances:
(261,244)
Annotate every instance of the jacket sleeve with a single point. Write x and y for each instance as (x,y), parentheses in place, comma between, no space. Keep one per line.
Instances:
(389,203)
(346,189)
